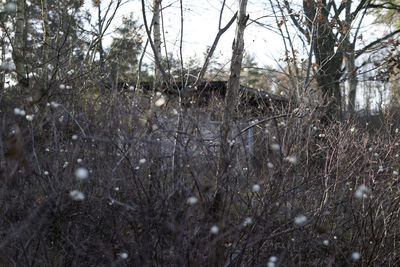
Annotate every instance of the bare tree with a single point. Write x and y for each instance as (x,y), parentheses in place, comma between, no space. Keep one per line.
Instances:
(19,43)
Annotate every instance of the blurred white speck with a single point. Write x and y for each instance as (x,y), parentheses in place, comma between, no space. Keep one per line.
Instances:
(66,164)
(192,200)
(214,230)
(325,242)
(255,188)
(81,173)
(123,255)
(77,195)
(300,219)
(362,191)
(270,165)
(29,117)
(395,173)
(291,159)
(159,102)
(74,137)
(355,256)
(62,86)
(142,161)
(79,160)
(247,221)
(275,147)
(46,173)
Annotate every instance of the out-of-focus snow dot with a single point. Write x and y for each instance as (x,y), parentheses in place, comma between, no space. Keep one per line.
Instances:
(291,159)
(325,242)
(370,149)
(47,150)
(159,102)
(123,255)
(270,165)
(70,72)
(158,94)
(315,128)
(214,230)
(77,195)
(256,188)
(282,124)
(46,173)
(17,111)
(362,191)
(66,164)
(29,117)
(116,188)
(81,173)
(352,129)
(322,135)
(175,112)
(62,86)
(131,88)
(68,87)
(192,200)
(271,264)
(275,147)
(247,221)
(79,160)
(376,154)
(245,168)
(395,173)
(61,150)
(397,155)
(10,7)
(300,219)
(273,259)
(54,104)
(154,127)
(142,161)
(355,256)
(397,130)
(74,137)
(137,168)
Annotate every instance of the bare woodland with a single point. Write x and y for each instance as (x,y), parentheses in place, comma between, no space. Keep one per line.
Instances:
(116,149)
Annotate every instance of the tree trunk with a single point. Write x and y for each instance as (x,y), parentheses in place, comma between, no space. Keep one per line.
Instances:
(45,56)
(157,40)
(231,98)
(19,44)
(328,60)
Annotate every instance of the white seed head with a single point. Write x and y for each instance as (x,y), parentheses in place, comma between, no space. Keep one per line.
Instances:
(355,256)
(159,102)
(291,159)
(256,188)
(77,195)
(29,117)
(214,230)
(192,200)
(247,221)
(123,255)
(362,191)
(54,104)
(273,259)
(275,147)
(300,219)
(81,173)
